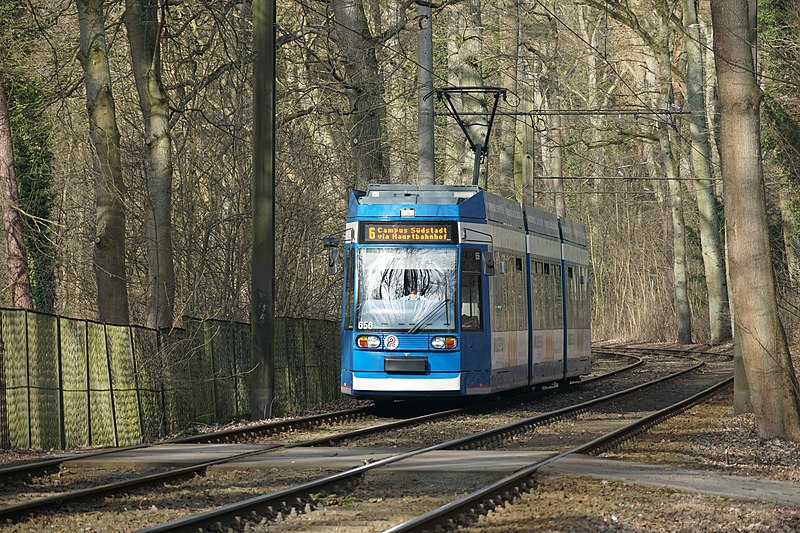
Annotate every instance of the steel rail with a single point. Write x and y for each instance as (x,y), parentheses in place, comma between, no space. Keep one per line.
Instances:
(638,361)
(13,512)
(464,509)
(48,465)
(298,496)
(659,349)
(16,511)
(228,435)
(472,442)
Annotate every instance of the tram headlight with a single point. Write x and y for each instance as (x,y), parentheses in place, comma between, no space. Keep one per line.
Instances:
(444,343)
(368,341)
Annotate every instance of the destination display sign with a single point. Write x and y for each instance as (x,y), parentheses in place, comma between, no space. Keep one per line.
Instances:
(407,232)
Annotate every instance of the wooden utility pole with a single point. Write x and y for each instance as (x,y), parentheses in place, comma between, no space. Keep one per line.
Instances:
(262,297)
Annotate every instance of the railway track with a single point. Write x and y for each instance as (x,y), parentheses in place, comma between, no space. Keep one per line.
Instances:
(36,505)
(279,502)
(465,510)
(303,496)
(233,435)
(34,468)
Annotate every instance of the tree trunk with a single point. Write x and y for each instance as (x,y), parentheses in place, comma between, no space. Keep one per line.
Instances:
(683,314)
(509,35)
(525,153)
(707,203)
(596,96)
(425,98)
(553,98)
(144,36)
(454,142)
(364,91)
(557,164)
(771,377)
(470,74)
(109,245)
(18,276)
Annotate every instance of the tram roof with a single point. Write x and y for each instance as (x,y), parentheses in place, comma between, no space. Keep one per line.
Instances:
(385,201)
(435,201)
(380,193)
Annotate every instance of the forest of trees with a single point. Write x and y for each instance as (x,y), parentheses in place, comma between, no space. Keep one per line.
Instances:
(131,128)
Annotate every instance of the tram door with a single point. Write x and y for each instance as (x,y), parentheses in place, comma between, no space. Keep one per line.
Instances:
(474,344)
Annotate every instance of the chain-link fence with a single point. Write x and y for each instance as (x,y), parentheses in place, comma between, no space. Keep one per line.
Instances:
(67,383)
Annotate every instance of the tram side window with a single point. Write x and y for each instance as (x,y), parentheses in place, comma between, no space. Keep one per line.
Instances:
(509,309)
(350,289)
(471,290)
(521,294)
(572,295)
(537,292)
(584,281)
(545,296)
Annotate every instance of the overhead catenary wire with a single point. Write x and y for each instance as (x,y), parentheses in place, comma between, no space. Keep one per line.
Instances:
(577,112)
(624,178)
(646,110)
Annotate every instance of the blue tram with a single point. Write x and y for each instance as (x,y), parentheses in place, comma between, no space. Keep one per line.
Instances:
(452,290)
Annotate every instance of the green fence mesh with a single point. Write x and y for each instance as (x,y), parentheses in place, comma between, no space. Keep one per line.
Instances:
(16,378)
(175,357)
(150,379)
(45,387)
(223,348)
(123,385)
(102,426)
(200,371)
(3,409)
(243,368)
(73,383)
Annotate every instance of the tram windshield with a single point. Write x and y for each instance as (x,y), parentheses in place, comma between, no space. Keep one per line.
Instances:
(406,289)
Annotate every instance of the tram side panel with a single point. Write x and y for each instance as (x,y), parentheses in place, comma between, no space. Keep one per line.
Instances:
(496,358)
(578,299)
(546,302)
(475,321)
(348,298)
(547,331)
(509,321)
(509,299)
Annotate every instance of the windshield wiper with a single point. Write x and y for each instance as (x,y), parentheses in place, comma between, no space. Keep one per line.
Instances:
(430,314)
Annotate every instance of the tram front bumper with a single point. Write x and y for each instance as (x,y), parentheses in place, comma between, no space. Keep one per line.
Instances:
(369,382)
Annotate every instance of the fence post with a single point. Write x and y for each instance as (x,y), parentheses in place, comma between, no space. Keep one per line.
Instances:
(209,345)
(4,439)
(88,381)
(63,415)
(111,386)
(161,378)
(28,379)
(136,385)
